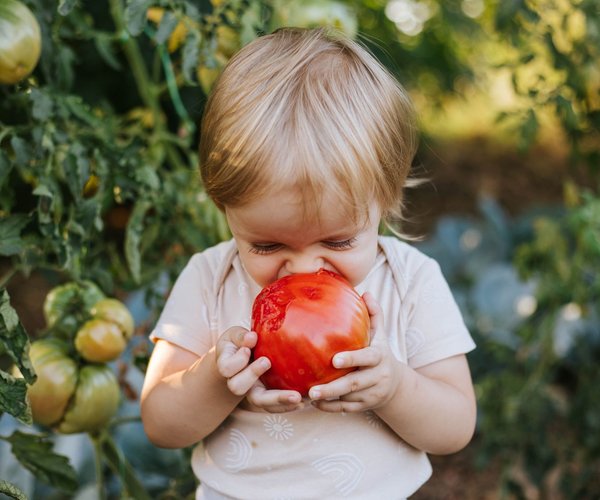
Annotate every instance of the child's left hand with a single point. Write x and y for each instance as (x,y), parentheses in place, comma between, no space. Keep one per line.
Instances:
(372,385)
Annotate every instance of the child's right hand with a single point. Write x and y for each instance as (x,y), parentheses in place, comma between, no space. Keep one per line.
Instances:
(233,362)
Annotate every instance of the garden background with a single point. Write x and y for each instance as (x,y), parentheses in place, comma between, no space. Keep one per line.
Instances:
(99,182)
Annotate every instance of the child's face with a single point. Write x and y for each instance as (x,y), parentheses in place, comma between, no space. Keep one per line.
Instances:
(275,239)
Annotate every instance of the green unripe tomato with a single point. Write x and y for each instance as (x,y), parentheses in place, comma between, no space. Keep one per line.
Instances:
(66,303)
(100,341)
(20,41)
(56,380)
(65,397)
(115,311)
(95,401)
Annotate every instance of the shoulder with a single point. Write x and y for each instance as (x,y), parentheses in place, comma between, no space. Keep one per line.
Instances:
(212,265)
(407,263)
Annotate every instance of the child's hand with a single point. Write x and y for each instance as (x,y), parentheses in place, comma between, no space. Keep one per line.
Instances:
(372,385)
(274,400)
(233,360)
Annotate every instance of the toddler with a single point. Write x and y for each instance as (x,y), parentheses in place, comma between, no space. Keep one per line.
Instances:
(306,147)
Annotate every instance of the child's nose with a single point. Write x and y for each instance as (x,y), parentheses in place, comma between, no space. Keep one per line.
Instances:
(304,263)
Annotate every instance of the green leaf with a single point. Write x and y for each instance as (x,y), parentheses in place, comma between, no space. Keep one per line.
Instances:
(105,46)
(14,337)
(123,469)
(21,150)
(13,397)
(11,490)
(63,68)
(133,238)
(191,53)
(148,176)
(77,169)
(41,105)
(10,234)
(66,6)
(79,108)
(135,15)
(166,27)
(5,167)
(43,190)
(35,453)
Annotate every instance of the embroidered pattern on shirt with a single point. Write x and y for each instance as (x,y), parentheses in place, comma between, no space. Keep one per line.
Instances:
(278,427)
(344,469)
(239,452)
(414,341)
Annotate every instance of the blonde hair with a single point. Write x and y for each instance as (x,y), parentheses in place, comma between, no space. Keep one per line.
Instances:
(308,109)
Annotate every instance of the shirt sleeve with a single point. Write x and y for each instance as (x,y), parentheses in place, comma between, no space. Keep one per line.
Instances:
(436,329)
(185,320)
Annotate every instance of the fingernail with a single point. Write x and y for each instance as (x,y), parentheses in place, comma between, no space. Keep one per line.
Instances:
(338,361)
(265,363)
(314,394)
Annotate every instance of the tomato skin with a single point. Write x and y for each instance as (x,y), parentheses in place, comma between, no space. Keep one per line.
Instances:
(99,341)
(20,41)
(302,321)
(56,380)
(67,397)
(95,401)
(115,311)
(65,303)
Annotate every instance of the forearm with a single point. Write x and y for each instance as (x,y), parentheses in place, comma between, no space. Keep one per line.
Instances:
(184,407)
(431,414)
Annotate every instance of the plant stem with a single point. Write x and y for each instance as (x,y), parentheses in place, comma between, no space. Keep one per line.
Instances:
(8,276)
(98,455)
(136,61)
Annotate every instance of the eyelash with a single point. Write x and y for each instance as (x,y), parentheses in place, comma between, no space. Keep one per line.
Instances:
(263,249)
(340,245)
(334,245)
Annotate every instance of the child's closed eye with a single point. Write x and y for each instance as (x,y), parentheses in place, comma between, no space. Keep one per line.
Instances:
(264,248)
(341,244)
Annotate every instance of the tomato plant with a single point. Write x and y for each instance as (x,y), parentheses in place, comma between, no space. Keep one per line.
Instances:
(302,321)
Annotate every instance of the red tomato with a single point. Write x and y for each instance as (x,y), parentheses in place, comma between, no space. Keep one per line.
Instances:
(302,321)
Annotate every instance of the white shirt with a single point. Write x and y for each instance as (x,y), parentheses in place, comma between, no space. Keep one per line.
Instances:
(309,453)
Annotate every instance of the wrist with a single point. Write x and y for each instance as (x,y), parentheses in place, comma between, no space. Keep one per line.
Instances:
(403,387)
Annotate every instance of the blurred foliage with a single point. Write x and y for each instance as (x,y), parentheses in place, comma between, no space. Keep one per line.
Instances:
(99,182)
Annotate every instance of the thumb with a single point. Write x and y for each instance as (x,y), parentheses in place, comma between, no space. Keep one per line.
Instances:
(375,314)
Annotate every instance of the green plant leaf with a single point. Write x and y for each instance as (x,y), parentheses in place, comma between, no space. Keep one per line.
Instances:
(166,27)
(13,397)
(122,468)
(66,6)
(105,46)
(42,105)
(135,15)
(5,167)
(133,238)
(191,53)
(21,150)
(14,338)
(11,490)
(35,453)
(10,234)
